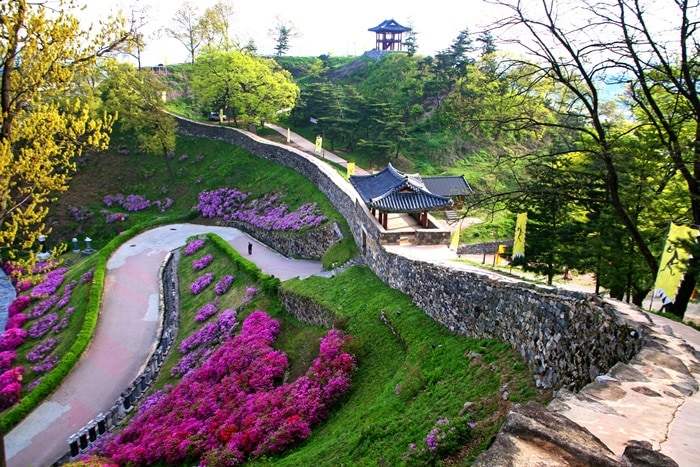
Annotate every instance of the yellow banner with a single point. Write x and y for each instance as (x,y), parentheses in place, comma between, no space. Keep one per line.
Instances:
(519,241)
(673,261)
(319,145)
(351,169)
(289,135)
(454,241)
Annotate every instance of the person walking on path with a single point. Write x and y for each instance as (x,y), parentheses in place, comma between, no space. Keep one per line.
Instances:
(250,248)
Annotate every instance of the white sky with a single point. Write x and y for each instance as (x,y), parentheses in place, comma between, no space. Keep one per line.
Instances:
(327,26)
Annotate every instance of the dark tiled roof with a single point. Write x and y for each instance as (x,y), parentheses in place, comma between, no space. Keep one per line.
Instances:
(448,185)
(391,190)
(389,25)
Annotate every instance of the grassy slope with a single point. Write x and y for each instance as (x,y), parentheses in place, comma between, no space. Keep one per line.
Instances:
(405,382)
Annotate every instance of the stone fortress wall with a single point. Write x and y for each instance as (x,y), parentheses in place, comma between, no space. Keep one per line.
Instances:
(566,338)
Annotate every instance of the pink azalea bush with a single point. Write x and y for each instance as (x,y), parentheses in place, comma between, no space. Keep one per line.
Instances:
(19,304)
(10,386)
(6,359)
(17,321)
(229,204)
(232,408)
(12,338)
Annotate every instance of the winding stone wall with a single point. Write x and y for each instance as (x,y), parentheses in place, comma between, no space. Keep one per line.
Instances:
(567,339)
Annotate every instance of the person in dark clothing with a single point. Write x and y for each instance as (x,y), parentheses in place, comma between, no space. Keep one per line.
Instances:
(250,248)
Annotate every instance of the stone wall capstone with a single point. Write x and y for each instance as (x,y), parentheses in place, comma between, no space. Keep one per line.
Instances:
(566,338)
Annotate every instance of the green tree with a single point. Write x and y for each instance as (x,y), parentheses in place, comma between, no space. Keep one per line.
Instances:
(248,87)
(46,117)
(282,33)
(660,69)
(138,96)
(216,23)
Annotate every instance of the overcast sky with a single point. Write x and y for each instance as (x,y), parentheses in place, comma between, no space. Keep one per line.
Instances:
(327,26)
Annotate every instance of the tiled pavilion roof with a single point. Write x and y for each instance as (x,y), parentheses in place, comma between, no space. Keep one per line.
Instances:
(394,191)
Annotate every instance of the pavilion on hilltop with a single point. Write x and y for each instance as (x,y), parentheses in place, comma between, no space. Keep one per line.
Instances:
(391,191)
(389,35)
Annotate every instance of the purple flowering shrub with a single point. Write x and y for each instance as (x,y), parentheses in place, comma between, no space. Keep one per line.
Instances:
(51,281)
(41,350)
(205,312)
(134,203)
(443,439)
(233,408)
(43,325)
(202,262)
(270,214)
(201,283)
(193,246)
(224,284)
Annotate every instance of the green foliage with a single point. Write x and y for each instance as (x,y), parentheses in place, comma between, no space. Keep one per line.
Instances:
(249,88)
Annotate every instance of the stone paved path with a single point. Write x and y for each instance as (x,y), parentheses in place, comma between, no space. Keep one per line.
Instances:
(124,338)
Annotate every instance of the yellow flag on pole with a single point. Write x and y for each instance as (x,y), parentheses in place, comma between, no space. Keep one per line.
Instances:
(519,241)
(673,261)
(319,145)
(351,169)
(289,135)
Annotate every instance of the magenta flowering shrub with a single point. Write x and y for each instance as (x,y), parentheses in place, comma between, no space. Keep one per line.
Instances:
(199,345)
(193,246)
(201,283)
(19,304)
(205,312)
(21,286)
(12,338)
(10,386)
(224,284)
(51,281)
(202,262)
(17,321)
(232,408)
(229,204)
(6,359)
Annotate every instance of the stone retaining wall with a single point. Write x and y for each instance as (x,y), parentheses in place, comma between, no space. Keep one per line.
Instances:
(566,339)
(310,244)
(307,310)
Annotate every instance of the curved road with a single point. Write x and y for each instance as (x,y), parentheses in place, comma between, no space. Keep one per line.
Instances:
(124,338)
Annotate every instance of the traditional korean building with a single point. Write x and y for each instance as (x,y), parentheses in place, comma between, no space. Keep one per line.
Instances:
(391,191)
(389,35)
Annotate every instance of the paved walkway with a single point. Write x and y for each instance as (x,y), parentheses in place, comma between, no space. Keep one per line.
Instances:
(124,338)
